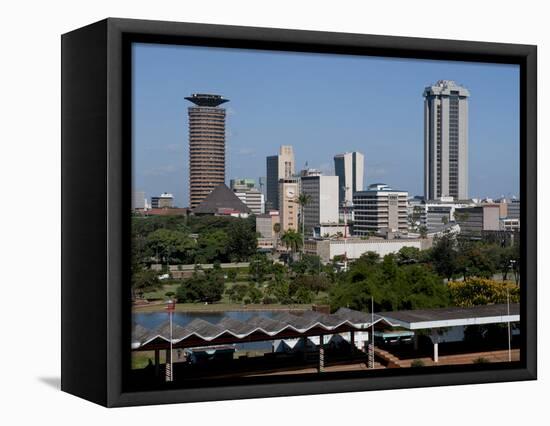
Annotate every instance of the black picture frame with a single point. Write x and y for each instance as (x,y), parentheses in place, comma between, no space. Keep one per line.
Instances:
(96,172)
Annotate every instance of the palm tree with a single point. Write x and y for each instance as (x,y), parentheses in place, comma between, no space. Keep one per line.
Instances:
(292,240)
(276,229)
(303,200)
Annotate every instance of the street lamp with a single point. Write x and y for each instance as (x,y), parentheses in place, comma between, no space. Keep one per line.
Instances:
(170,308)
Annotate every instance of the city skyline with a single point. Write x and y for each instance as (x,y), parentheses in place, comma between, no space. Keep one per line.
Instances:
(331,119)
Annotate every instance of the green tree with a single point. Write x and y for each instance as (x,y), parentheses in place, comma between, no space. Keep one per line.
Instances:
(308,264)
(212,246)
(144,281)
(392,286)
(444,256)
(243,240)
(258,268)
(237,292)
(276,230)
(166,244)
(407,255)
(303,295)
(292,240)
(207,286)
(303,200)
(232,275)
(254,294)
(280,290)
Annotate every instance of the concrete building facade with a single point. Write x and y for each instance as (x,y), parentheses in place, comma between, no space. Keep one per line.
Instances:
(254,199)
(139,201)
(288,211)
(350,169)
(163,201)
(474,220)
(446,141)
(323,204)
(353,248)
(281,166)
(206,146)
(380,209)
(265,226)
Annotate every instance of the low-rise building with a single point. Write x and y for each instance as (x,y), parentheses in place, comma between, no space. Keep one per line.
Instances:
(436,214)
(265,226)
(509,224)
(473,221)
(353,248)
(327,230)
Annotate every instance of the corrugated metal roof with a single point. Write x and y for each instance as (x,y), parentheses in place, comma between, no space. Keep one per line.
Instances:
(271,327)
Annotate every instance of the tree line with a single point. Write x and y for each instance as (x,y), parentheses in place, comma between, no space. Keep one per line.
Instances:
(453,272)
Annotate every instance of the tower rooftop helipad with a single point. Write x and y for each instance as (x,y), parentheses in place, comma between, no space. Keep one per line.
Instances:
(205,99)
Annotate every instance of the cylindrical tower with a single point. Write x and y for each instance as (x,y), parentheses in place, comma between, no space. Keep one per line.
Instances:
(206,146)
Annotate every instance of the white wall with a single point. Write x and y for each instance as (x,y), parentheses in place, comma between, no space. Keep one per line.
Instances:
(383,247)
(328,199)
(30,163)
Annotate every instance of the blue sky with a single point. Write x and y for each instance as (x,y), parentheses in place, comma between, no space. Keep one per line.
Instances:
(322,105)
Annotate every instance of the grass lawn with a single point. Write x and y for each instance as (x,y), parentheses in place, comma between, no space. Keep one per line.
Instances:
(140,359)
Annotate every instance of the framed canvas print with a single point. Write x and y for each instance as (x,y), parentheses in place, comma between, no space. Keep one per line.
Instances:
(254,212)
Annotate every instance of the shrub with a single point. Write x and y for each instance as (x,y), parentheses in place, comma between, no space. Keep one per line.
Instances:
(417,363)
(268,300)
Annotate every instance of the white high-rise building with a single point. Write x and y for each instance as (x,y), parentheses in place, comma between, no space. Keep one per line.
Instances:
(446,141)
(350,169)
(323,204)
(281,166)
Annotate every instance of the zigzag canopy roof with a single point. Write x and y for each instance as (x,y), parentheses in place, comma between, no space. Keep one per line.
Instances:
(271,328)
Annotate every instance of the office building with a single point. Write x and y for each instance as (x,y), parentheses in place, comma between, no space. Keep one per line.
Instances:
(279,167)
(436,214)
(242,184)
(380,209)
(265,227)
(446,141)
(350,169)
(323,203)
(206,146)
(513,209)
(510,225)
(163,201)
(139,202)
(253,198)
(288,211)
(474,220)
